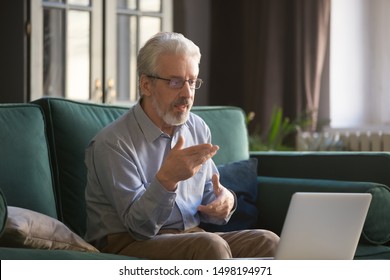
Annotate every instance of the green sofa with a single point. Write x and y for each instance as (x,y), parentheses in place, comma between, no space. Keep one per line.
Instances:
(42,178)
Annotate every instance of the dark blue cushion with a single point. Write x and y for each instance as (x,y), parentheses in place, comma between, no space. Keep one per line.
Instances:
(241,178)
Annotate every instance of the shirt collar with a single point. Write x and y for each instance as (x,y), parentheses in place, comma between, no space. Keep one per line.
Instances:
(149,129)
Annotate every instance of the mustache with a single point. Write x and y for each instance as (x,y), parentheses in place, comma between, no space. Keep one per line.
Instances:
(182,101)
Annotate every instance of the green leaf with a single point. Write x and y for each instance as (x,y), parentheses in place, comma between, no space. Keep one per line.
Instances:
(276,120)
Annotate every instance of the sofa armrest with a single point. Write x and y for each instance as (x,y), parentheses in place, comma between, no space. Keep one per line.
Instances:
(275,194)
(3,212)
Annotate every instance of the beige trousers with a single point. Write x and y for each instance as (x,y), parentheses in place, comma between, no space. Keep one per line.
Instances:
(194,244)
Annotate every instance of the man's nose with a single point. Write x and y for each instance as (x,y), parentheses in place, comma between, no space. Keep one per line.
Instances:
(186,90)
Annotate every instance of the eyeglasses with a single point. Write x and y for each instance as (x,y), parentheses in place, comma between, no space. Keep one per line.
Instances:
(179,83)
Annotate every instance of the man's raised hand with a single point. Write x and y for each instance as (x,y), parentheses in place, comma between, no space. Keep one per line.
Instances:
(183,163)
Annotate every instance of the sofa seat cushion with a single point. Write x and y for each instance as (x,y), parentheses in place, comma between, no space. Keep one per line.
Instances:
(29,229)
(7,253)
(275,194)
(372,252)
(241,178)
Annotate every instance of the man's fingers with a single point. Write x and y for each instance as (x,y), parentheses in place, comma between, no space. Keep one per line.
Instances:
(216,209)
(205,155)
(202,150)
(179,144)
(200,153)
(216,185)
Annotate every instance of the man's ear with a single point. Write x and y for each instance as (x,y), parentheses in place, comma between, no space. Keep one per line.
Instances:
(145,85)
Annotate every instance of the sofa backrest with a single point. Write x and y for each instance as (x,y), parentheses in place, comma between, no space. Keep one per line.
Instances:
(25,170)
(345,166)
(228,130)
(71,125)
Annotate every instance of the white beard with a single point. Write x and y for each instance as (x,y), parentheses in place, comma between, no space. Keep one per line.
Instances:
(169,117)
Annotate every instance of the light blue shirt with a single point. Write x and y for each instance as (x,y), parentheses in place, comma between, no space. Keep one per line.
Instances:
(122,192)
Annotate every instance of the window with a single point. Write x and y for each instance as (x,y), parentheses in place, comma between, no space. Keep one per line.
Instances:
(86,49)
(136,22)
(360,63)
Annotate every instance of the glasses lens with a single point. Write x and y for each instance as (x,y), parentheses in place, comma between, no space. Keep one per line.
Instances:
(198,83)
(179,83)
(195,83)
(176,83)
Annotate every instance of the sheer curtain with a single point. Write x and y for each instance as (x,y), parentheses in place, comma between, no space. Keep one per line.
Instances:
(360,64)
(267,53)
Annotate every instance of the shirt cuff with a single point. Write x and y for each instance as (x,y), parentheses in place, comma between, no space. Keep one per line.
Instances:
(234,206)
(161,194)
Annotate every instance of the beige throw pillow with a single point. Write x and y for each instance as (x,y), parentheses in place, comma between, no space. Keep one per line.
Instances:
(30,229)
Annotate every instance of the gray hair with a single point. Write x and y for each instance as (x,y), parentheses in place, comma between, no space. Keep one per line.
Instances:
(164,42)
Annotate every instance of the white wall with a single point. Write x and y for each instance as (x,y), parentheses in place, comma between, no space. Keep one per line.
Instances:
(359,63)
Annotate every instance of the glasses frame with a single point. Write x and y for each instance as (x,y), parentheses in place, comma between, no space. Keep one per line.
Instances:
(189,81)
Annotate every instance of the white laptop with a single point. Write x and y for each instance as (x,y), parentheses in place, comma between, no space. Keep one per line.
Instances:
(323,226)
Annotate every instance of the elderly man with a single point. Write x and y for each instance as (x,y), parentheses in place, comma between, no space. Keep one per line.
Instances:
(151,178)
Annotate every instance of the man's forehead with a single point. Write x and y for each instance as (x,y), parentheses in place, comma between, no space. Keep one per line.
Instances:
(177,64)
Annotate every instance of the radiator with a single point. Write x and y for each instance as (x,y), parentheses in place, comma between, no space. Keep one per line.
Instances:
(344,140)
